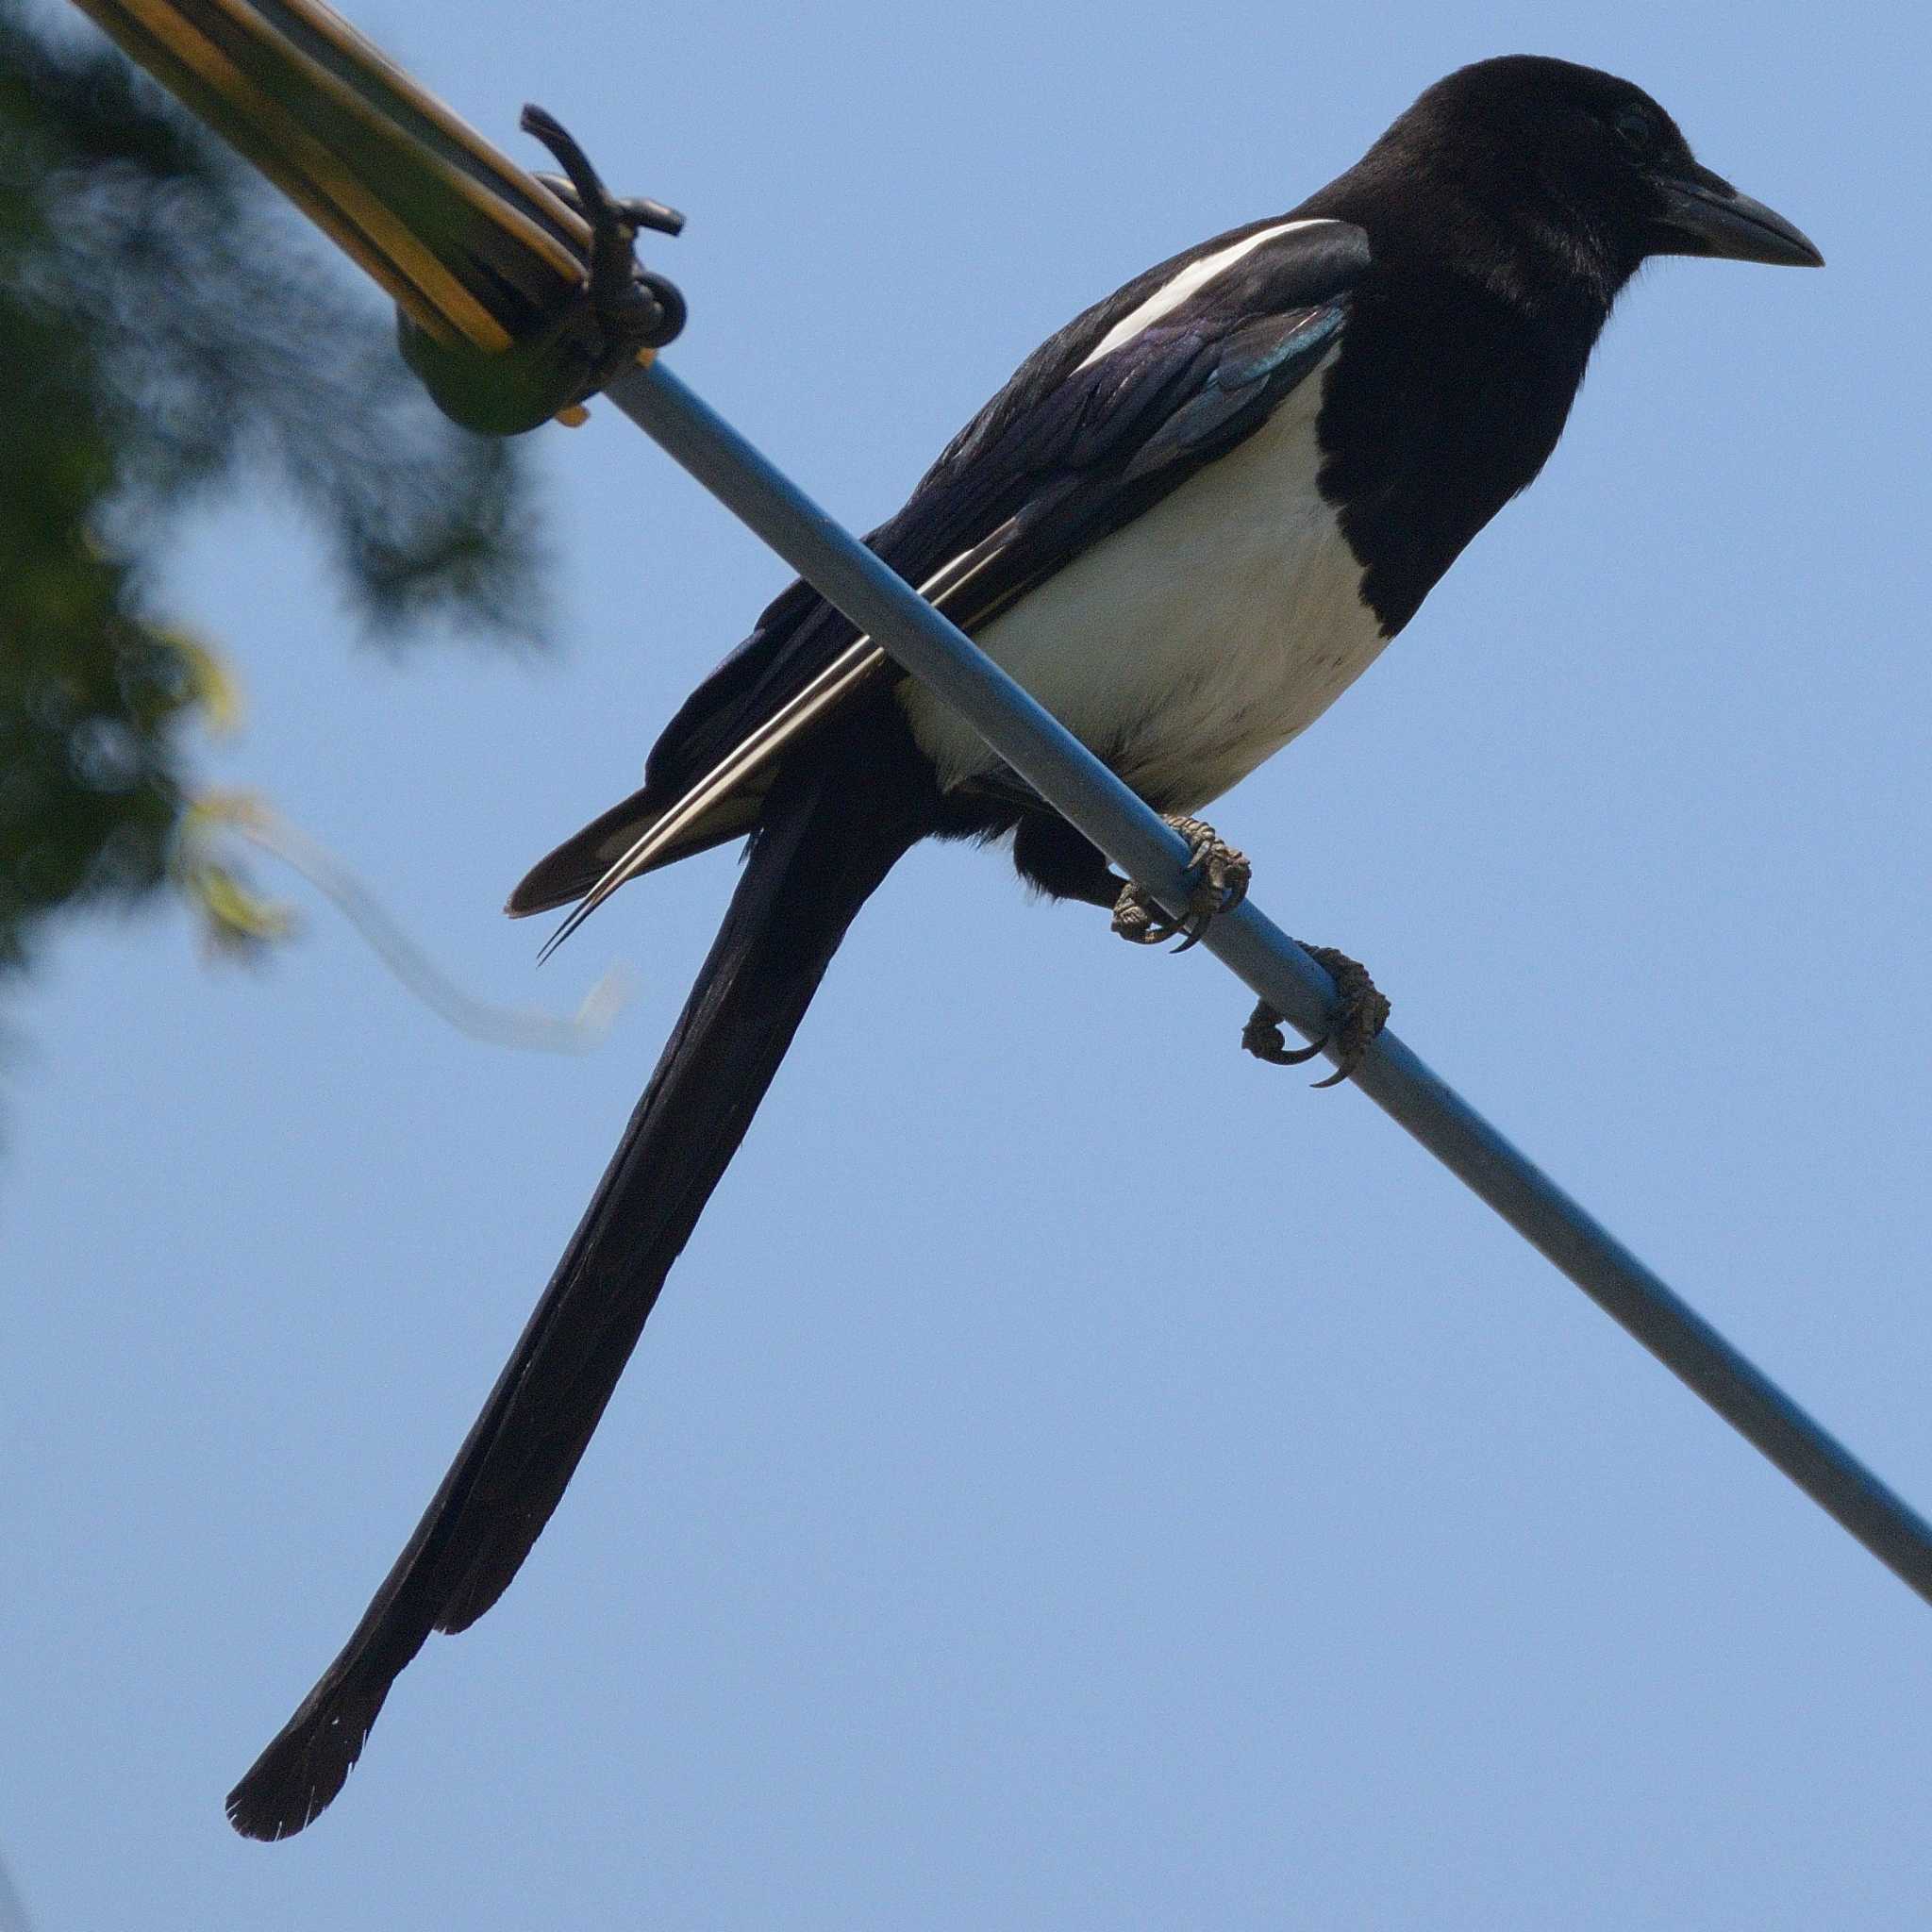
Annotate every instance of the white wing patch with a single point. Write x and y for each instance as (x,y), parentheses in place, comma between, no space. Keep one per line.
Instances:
(1195,276)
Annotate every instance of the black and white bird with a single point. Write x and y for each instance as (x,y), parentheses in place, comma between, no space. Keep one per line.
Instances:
(1188,524)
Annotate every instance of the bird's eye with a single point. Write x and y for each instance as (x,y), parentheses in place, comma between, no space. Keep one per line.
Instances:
(1635,129)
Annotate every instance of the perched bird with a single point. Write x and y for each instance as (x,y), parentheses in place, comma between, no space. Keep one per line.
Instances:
(1190,520)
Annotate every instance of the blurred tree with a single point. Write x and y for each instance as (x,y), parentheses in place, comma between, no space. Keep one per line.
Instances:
(169,332)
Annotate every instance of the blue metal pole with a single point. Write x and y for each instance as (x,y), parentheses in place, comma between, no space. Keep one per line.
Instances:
(1065,774)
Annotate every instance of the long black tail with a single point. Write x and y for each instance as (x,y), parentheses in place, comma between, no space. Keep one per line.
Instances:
(828,835)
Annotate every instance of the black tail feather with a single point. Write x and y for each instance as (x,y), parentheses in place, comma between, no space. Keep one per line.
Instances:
(825,842)
(582,859)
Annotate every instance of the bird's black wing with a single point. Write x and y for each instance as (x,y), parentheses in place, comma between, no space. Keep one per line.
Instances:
(1076,445)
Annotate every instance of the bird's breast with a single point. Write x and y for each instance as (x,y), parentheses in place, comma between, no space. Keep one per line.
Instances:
(1188,646)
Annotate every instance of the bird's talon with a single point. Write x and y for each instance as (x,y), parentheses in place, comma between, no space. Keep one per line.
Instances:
(1264,1037)
(1135,917)
(1219,882)
(1359,1013)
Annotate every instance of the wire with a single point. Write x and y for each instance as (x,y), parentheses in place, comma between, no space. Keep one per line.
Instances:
(1078,785)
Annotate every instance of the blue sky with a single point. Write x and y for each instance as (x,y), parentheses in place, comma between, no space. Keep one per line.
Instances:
(1075,1476)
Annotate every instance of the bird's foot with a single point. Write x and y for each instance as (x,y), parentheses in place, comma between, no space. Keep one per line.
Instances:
(1220,877)
(1359,1013)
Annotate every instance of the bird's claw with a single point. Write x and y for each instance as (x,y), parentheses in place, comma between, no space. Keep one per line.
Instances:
(1219,879)
(1359,1013)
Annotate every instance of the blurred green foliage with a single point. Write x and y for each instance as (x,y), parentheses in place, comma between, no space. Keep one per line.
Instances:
(167,333)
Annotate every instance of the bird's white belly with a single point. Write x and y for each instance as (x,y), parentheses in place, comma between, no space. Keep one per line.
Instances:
(1191,646)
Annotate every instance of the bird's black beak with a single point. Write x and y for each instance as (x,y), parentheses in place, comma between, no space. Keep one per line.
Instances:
(1703,214)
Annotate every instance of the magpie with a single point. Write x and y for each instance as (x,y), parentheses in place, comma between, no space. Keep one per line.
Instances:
(1190,520)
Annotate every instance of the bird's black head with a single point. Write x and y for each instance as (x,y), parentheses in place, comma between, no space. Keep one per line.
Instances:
(1582,165)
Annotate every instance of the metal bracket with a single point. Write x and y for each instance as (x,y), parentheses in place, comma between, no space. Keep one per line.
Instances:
(622,313)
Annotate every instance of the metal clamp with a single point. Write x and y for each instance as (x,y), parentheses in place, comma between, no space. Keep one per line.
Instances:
(622,313)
